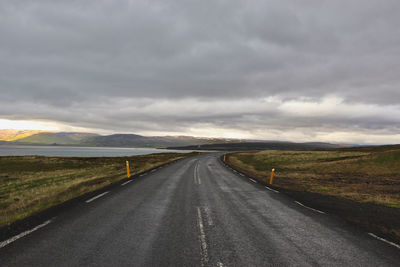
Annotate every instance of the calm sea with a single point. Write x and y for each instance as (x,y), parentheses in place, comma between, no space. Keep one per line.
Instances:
(69,151)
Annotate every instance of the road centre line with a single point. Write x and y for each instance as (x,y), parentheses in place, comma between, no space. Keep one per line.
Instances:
(309,207)
(197,173)
(204,258)
(14,238)
(127,182)
(272,189)
(384,240)
(96,197)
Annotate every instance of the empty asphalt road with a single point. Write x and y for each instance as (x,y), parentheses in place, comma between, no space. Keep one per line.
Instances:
(195,212)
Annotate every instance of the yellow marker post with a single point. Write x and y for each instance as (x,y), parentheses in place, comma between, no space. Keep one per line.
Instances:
(224,158)
(128,173)
(272,176)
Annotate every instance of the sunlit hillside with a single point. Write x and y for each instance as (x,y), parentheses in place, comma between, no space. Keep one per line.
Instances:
(13,135)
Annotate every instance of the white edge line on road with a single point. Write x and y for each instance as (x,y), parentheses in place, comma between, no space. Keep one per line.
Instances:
(96,197)
(14,238)
(241,174)
(384,240)
(154,170)
(309,207)
(272,189)
(127,182)
(254,181)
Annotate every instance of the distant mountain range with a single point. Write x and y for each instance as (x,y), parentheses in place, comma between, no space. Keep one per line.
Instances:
(16,137)
(262,145)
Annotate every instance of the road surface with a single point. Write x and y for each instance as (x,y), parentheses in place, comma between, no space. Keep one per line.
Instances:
(195,212)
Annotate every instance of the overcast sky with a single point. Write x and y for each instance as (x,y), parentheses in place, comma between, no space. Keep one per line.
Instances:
(301,70)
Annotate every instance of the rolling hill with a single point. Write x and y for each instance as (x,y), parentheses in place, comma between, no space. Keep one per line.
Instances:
(114,140)
(134,140)
(271,145)
(13,135)
(61,138)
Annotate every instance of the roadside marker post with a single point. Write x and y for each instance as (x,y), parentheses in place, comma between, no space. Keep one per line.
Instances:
(224,157)
(272,176)
(128,173)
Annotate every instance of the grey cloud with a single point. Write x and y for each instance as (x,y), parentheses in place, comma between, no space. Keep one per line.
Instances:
(63,56)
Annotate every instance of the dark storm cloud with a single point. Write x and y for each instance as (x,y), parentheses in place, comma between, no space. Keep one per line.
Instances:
(169,66)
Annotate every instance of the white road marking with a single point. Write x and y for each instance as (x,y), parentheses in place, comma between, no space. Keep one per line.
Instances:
(197,179)
(127,182)
(309,208)
(154,170)
(96,197)
(241,174)
(204,256)
(272,189)
(12,239)
(384,240)
(208,215)
(220,264)
(254,181)
(197,173)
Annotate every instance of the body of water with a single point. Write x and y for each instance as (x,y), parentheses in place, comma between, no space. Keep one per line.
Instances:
(69,151)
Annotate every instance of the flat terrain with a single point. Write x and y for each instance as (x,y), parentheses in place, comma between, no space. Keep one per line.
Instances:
(195,212)
(369,177)
(30,184)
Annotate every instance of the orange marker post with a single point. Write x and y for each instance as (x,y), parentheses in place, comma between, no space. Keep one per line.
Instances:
(224,158)
(272,176)
(128,173)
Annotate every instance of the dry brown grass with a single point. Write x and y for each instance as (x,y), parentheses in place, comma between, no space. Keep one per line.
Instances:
(363,176)
(30,184)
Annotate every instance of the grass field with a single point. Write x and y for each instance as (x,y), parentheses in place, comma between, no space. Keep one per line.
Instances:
(31,184)
(360,185)
(363,175)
